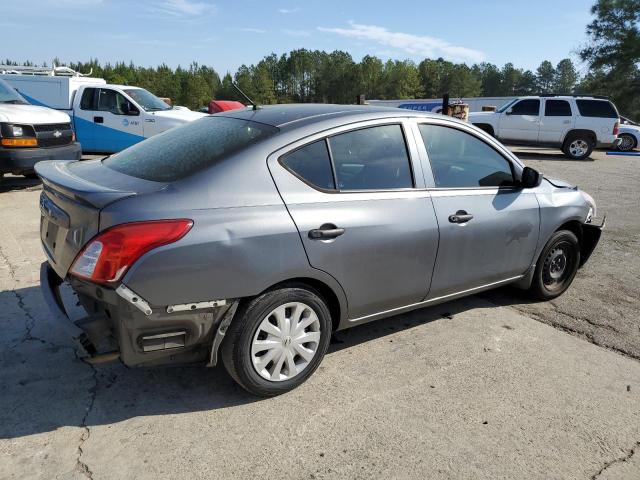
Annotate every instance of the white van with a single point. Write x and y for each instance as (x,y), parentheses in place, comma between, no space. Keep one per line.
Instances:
(29,134)
(106,118)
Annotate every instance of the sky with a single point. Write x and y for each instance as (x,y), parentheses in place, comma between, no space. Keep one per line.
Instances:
(226,34)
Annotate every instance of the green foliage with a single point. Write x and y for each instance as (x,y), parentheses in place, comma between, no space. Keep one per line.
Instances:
(613,54)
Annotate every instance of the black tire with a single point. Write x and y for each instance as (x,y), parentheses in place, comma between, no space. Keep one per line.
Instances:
(628,142)
(236,350)
(575,140)
(557,266)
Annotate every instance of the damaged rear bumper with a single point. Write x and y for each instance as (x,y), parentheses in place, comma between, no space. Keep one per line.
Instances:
(121,324)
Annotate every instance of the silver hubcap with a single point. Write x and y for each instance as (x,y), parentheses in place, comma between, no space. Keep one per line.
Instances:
(285,342)
(578,148)
(626,143)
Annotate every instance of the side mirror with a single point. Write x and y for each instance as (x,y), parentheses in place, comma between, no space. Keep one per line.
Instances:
(530,178)
(508,111)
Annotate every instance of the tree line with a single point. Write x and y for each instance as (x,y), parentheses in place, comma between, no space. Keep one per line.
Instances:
(613,57)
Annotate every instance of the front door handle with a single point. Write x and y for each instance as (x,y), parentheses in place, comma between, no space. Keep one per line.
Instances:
(98,119)
(461,216)
(325,232)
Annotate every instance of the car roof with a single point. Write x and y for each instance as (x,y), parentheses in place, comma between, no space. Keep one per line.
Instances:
(292,116)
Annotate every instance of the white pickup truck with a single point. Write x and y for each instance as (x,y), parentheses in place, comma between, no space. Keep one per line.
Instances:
(106,118)
(576,124)
(29,134)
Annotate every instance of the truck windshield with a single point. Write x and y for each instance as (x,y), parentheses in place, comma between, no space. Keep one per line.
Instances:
(147,100)
(8,94)
(506,105)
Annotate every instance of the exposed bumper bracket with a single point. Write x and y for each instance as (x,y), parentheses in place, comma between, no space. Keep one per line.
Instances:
(183,307)
(134,299)
(220,332)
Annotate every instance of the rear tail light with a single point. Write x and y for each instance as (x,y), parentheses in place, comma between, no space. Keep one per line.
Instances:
(616,128)
(106,258)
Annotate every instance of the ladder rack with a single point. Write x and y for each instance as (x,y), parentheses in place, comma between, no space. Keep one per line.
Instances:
(42,71)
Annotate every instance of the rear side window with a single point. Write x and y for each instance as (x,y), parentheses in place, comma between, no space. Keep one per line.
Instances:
(312,164)
(185,150)
(596,108)
(86,102)
(557,108)
(373,158)
(460,160)
(526,107)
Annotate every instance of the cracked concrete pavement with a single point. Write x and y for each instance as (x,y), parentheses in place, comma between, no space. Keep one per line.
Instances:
(485,387)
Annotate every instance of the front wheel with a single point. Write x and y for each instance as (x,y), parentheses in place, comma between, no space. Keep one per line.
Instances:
(578,146)
(557,266)
(277,340)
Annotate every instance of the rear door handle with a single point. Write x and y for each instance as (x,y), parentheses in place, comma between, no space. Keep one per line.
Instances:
(325,232)
(98,119)
(460,216)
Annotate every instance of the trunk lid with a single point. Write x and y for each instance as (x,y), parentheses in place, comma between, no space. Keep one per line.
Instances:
(73,195)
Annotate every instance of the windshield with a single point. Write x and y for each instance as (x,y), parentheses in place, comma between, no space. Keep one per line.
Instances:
(8,94)
(185,150)
(147,100)
(506,105)
(628,121)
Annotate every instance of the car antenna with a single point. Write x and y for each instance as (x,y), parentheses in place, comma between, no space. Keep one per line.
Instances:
(254,104)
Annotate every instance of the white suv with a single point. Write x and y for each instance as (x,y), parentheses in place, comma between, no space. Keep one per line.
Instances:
(577,124)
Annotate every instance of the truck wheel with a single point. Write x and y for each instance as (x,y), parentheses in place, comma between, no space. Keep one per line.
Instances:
(277,340)
(627,142)
(557,266)
(578,146)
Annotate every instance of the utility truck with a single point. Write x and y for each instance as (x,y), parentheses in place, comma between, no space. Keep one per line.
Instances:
(106,118)
(29,134)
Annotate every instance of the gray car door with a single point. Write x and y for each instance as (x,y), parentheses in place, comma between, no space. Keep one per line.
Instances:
(362,212)
(488,226)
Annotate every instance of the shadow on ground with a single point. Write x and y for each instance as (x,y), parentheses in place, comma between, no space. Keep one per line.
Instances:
(46,387)
(8,184)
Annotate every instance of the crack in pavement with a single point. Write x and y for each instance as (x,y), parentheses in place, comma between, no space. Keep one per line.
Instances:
(577,318)
(586,335)
(630,453)
(81,466)
(30,322)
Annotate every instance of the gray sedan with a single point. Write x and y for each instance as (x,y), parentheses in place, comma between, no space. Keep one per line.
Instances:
(251,235)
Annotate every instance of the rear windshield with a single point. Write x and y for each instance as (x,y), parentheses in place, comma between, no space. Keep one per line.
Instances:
(185,150)
(596,108)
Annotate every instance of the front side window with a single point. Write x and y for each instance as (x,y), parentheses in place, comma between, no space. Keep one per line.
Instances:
(373,158)
(312,164)
(185,150)
(526,107)
(597,108)
(557,108)
(460,160)
(112,101)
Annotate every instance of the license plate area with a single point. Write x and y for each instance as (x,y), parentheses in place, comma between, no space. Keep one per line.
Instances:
(49,236)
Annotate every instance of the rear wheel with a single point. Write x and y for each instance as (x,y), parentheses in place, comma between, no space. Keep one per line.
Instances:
(557,265)
(627,142)
(578,146)
(277,340)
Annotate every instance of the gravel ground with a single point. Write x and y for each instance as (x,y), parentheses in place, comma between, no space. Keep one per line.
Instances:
(603,304)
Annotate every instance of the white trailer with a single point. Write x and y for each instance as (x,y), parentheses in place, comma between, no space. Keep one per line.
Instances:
(435,104)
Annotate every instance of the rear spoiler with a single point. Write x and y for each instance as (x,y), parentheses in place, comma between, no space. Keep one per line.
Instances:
(57,177)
